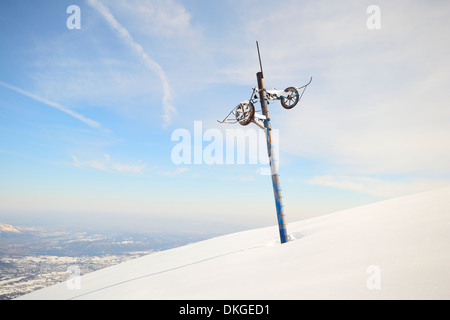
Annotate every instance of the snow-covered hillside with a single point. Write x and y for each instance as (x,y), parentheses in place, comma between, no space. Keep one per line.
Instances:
(395,249)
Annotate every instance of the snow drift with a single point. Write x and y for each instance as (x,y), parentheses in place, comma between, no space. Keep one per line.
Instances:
(395,249)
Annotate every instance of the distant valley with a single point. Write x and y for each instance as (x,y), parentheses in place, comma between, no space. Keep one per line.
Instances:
(32,258)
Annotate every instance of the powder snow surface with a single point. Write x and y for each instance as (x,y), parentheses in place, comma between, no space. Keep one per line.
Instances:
(395,249)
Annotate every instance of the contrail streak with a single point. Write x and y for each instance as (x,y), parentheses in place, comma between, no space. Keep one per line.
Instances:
(151,64)
(89,122)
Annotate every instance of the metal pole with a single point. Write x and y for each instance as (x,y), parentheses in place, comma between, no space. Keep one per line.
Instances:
(273,168)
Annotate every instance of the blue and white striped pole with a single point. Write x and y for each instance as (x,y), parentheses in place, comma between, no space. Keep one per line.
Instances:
(273,168)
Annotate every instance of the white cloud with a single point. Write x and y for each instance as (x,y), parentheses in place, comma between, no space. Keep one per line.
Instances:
(152,65)
(173,173)
(163,18)
(107,165)
(377,187)
(378,103)
(121,167)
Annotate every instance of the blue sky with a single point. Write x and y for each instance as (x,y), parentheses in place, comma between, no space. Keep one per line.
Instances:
(86,116)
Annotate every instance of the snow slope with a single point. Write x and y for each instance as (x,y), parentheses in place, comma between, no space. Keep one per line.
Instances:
(395,249)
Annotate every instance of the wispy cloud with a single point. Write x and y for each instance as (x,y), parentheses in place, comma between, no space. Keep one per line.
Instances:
(169,109)
(173,173)
(168,18)
(89,122)
(379,101)
(107,165)
(377,187)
